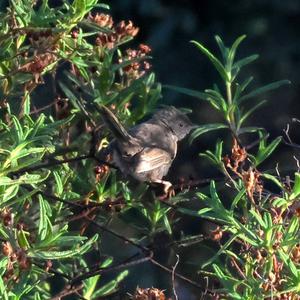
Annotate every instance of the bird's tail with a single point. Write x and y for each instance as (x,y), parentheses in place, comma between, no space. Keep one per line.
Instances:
(114,124)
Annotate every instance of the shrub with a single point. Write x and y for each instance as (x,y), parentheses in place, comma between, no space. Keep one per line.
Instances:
(60,201)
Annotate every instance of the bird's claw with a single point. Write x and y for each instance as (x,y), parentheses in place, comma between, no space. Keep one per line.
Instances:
(168,190)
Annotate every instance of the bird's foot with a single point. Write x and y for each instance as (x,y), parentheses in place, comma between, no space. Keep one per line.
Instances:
(168,189)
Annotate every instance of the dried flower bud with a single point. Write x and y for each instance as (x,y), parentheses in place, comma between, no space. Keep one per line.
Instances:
(24,264)
(296,253)
(7,217)
(216,234)
(101,171)
(7,249)
(62,108)
(259,258)
(149,294)
(298,212)
(74,34)
(38,64)
(252,182)
(272,277)
(261,233)
(147,66)
(227,161)
(265,286)
(125,30)
(48,265)
(144,48)
(102,20)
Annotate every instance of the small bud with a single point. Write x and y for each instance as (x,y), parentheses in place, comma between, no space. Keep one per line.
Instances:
(150,293)
(7,249)
(216,234)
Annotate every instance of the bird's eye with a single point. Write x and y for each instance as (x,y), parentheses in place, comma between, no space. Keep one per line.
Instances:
(180,125)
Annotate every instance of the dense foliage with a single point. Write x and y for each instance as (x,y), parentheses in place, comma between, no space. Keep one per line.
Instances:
(62,203)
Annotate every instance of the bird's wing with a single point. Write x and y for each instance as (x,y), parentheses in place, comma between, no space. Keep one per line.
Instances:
(152,158)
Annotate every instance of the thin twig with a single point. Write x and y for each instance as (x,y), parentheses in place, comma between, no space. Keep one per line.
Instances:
(117,267)
(173,277)
(50,164)
(238,269)
(53,163)
(297,162)
(145,250)
(168,270)
(69,290)
(38,110)
(289,141)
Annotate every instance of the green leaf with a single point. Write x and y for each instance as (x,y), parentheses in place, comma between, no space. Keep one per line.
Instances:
(258,218)
(185,91)
(244,61)
(224,50)
(293,228)
(279,202)
(9,193)
(43,224)
(237,199)
(289,264)
(167,224)
(250,111)
(265,152)
(204,210)
(249,129)
(217,64)
(296,188)
(22,239)
(222,249)
(59,185)
(18,129)
(217,100)
(263,89)
(90,286)
(107,262)
(206,128)
(232,51)
(273,179)
(26,105)
(50,254)
(24,179)
(69,94)
(110,286)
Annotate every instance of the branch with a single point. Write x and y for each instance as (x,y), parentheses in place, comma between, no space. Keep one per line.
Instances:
(55,162)
(69,290)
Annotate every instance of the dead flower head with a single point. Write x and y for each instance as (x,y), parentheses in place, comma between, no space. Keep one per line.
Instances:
(251,180)
(216,234)
(122,31)
(238,156)
(148,294)
(102,20)
(138,67)
(38,64)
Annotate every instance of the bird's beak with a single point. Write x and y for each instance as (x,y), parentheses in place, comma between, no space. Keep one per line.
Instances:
(194,126)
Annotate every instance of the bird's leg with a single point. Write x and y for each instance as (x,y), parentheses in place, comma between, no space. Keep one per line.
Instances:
(168,187)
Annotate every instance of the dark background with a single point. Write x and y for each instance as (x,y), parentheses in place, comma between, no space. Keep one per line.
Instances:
(272,29)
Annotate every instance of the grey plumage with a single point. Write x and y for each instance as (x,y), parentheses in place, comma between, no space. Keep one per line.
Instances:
(147,150)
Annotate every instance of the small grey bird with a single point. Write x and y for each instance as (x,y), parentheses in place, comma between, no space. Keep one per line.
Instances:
(147,150)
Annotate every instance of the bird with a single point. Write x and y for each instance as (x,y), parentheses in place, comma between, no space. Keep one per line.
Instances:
(146,151)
